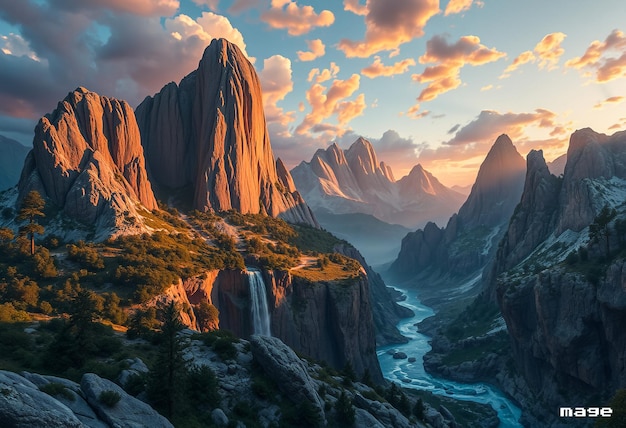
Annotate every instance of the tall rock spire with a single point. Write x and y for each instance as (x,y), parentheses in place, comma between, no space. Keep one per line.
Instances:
(87,158)
(209,135)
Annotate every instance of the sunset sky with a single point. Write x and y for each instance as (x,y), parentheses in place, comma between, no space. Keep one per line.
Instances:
(425,81)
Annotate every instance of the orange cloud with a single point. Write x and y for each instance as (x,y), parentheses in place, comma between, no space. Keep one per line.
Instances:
(286,14)
(450,58)
(324,75)
(610,100)
(207,27)
(549,50)
(377,68)
(389,24)
(414,113)
(486,88)
(597,58)
(355,7)
(276,83)
(521,59)
(457,6)
(326,103)
(316,50)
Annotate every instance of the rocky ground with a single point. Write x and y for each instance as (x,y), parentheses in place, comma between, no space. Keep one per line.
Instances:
(263,376)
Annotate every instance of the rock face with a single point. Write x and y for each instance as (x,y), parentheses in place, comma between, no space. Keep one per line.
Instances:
(354,181)
(282,365)
(467,243)
(12,155)
(22,404)
(88,160)
(563,318)
(208,136)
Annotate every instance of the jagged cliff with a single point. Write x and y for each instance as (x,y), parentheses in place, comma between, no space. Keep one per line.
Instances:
(207,137)
(562,296)
(354,181)
(330,321)
(12,155)
(467,242)
(88,160)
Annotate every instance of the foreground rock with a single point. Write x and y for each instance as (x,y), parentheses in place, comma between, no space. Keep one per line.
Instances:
(283,365)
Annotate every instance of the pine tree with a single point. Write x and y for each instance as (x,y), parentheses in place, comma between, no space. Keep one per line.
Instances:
(600,227)
(164,389)
(32,207)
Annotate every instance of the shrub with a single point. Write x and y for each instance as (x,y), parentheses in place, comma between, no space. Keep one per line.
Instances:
(109,398)
(225,349)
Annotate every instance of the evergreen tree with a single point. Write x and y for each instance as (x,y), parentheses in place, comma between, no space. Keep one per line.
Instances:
(32,207)
(164,386)
(345,411)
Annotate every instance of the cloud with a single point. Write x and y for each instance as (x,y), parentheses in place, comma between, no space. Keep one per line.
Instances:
(297,20)
(377,68)
(316,49)
(14,44)
(326,102)
(135,7)
(457,6)
(137,57)
(610,100)
(239,6)
(211,4)
(323,75)
(389,24)
(355,7)
(549,50)
(486,88)
(207,27)
(276,83)
(598,58)
(471,142)
(449,60)
(414,113)
(521,59)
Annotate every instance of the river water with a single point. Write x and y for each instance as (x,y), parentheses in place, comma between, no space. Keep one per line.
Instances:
(413,375)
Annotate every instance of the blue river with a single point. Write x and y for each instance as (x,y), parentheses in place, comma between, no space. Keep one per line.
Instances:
(413,375)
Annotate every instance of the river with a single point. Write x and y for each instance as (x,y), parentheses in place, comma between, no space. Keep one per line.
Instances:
(402,371)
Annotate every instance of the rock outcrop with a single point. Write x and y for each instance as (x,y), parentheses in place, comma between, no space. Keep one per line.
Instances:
(207,136)
(354,181)
(470,237)
(23,404)
(12,155)
(88,160)
(560,293)
(282,365)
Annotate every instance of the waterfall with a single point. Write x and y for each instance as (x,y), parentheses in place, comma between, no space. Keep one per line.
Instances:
(258,298)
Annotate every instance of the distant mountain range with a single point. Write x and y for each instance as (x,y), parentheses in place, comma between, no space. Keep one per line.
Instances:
(354,181)
(12,155)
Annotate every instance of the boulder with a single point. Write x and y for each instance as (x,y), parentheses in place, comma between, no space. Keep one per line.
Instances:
(290,374)
(128,412)
(23,405)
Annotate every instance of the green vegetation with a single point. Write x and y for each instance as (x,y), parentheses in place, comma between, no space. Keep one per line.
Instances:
(109,398)
(56,389)
(32,207)
(477,319)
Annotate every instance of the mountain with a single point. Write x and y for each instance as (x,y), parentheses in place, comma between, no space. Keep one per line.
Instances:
(354,181)
(207,137)
(88,161)
(470,237)
(557,166)
(558,276)
(12,155)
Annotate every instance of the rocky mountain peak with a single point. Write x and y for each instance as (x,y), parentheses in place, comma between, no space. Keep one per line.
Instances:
(87,158)
(208,135)
(498,186)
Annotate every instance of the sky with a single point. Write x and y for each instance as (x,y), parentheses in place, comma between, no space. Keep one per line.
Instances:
(425,81)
